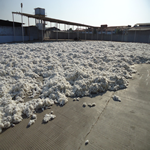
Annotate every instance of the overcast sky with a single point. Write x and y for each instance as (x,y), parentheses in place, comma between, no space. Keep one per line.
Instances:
(91,12)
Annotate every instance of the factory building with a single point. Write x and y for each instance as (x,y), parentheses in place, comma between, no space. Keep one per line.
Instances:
(15,32)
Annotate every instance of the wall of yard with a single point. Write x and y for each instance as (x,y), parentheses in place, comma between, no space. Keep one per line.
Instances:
(130,37)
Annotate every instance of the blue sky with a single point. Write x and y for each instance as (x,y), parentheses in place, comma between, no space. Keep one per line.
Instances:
(91,12)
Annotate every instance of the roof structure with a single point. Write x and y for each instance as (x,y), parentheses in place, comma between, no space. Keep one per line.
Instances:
(52,28)
(112,28)
(139,29)
(39,8)
(52,19)
(142,24)
(9,23)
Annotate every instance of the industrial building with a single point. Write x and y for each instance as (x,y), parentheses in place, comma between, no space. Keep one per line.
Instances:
(16,32)
(6,31)
(140,32)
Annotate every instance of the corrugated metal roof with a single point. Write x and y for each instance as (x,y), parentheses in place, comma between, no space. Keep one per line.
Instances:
(146,24)
(52,19)
(9,23)
(139,29)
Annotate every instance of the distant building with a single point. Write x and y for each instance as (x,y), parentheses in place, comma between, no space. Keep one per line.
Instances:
(39,23)
(140,32)
(142,25)
(52,29)
(104,29)
(39,11)
(10,34)
(7,23)
(104,26)
(6,27)
(141,28)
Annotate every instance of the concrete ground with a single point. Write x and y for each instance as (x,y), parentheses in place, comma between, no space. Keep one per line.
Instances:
(109,125)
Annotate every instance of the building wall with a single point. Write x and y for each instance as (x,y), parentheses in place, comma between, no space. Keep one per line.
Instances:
(141,38)
(30,33)
(8,39)
(34,33)
(6,30)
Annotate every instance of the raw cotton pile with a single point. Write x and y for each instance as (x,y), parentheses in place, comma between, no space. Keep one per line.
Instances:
(48,117)
(11,112)
(68,69)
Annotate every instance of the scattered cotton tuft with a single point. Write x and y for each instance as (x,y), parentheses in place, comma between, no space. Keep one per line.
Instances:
(78,98)
(89,104)
(52,112)
(48,117)
(84,104)
(116,98)
(31,122)
(86,142)
(93,104)
(13,125)
(34,116)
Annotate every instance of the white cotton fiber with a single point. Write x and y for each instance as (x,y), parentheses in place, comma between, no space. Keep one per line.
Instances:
(93,104)
(78,98)
(48,102)
(86,142)
(34,116)
(52,112)
(48,117)
(84,104)
(6,124)
(31,122)
(52,117)
(13,125)
(54,71)
(1,125)
(16,118)
(116,98)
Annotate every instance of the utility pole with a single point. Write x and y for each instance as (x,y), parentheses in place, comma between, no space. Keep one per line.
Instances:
(13,26)
(22,22)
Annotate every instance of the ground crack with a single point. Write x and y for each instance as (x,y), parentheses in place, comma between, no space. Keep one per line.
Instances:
(96,120)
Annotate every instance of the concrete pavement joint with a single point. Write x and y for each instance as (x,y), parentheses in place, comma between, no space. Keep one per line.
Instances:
(96,120)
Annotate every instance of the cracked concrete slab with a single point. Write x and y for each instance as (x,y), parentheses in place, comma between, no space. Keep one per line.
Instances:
(108,125)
